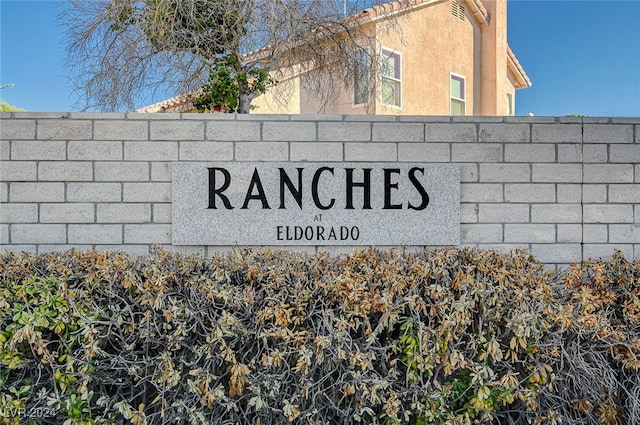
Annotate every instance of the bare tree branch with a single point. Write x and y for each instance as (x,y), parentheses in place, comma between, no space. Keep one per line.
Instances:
(122,51)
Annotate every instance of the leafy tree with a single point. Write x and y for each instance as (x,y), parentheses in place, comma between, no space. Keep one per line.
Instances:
(223,88)
(5,107)
(121,50)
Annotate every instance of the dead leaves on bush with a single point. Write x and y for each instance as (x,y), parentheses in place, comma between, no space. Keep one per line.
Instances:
(454,336)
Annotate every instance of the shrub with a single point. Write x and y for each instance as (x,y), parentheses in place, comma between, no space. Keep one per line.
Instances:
(454,336)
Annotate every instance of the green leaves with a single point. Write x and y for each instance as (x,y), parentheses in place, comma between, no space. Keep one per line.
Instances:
(440,337)
(227,80)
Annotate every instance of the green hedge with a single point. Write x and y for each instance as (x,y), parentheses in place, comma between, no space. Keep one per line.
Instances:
(454,336)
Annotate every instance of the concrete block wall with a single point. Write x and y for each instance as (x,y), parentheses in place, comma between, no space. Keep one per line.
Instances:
(565,188)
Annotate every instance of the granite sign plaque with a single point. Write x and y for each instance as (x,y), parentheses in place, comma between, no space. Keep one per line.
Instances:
(309,203)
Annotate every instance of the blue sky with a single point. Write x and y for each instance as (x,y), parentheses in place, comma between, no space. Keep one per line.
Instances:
(583,57)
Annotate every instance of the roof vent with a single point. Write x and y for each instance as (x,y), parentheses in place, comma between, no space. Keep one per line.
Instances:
(457,10)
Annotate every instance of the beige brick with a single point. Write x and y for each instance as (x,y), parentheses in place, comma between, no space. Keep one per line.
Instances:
(94,150)
(480,233)
(625,153)
(530,233)
(166,116)
(624,233)
(161,172)
(426,152)
(469,213)
(38,233)
(568,233)
(504,133)
(594,153)
(530,193)
(371,152)
(608,173)
(398,132)
(569,153)
(121,171)
(19,213)
(67,213)
(37,192)
(608,213)
(95,233)
(262,151)
(559,173)
(206,151)
(94,192)
(344,132)
(505,173)
(504,213)
(97,115)
(481,192)
(569,193)
(38,150)
(594,193)
(468,173)
(17,171)
(475,152)
(316,151)
(454,133)
(65,171)
(5,150)
(556,213)
(4,235)
(147,233)
(232,131)
(12,129)
(124,213)
(151,151)
(557,253)
(556,133)
(120,130)
(147,192)
(177,130)
(624,193)
(595,233)
(288,131)
(162,213)
(608,133)
(529,153)
(64,129)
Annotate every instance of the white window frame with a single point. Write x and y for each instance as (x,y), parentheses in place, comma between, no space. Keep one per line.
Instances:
(462,99)
(511,106)
(385,51)
(366,96)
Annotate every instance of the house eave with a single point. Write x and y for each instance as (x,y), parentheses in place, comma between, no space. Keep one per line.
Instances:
(478,11)
(521,78)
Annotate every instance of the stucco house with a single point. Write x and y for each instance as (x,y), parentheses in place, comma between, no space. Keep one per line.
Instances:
(451,57)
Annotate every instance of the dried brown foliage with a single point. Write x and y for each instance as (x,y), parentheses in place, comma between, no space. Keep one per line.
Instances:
(455,336)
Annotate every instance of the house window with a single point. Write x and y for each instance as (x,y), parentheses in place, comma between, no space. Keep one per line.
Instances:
(510,103)
(457,95)
(391,79)
(361,77)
